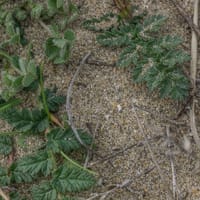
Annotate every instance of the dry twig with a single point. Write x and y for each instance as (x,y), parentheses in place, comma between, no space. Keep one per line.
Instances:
(174,187)
(148,145)
(189,21)
(125,184)
(122,151)
(3,195)
(193,71)
(68,98)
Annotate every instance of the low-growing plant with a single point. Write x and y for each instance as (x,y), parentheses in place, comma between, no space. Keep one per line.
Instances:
(58,48)
(49,166)
(49,172)
(153,59)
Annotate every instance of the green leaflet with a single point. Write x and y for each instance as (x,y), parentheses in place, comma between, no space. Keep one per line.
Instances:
(33,121)
(26,78)
(67,179)
(6,144)
(4,178)
(64,140)
(115,37)
(90,23)
(58,49)
(36,11)
(54,5)
(38,163)
(44,191)
(11,21)
(6,105)
(53,100)
(17,176)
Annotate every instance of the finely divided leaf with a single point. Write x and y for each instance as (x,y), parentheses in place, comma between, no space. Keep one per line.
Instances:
(64,140)
(53,100)
(115,37)
(67,179)
(44,191)
(39,163)
(33,121)
(17,176)
(4,178)
(6,144)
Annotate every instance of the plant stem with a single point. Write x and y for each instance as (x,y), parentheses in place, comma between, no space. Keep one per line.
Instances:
(76,164)
(44,101)
(53,159)
(11,103)
(45,26)
(9,58)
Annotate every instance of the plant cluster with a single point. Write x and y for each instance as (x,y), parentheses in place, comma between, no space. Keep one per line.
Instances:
(48,173)
(154,59)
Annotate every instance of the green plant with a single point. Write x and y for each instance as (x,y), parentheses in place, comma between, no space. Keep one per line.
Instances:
(58,48)
(11,20)
(48,172)
(25,76)
(49,165)
(153,59)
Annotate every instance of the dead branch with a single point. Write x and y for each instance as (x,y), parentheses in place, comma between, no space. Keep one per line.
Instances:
(68,98)
(121,151)
(174,187)
(193,71)
(3,195)
(189,21)
(124,184)
(148,145)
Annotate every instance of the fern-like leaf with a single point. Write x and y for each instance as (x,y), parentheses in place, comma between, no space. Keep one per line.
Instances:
(39,163)
(53,100)
(64,140)
(17,176)
(67,179)
(4,178)
(33,121)
(44,191)
(6,144)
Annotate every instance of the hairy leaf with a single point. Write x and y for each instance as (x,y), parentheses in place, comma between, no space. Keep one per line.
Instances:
(53,100)
(33,121)
(64,140)
(17,176)
(67,179)
(6,144)
(36,11)
(58,49)
(39,163)
(44,191)
(4,178)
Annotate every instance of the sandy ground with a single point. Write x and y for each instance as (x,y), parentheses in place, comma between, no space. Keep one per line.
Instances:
(105,98)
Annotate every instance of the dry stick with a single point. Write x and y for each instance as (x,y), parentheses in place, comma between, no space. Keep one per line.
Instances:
(3,195)
(174,188)
(124,184)
(150,150)
(68,107)
(193,71)
(121,151)
(148,145)
(89,153)
(193,25)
